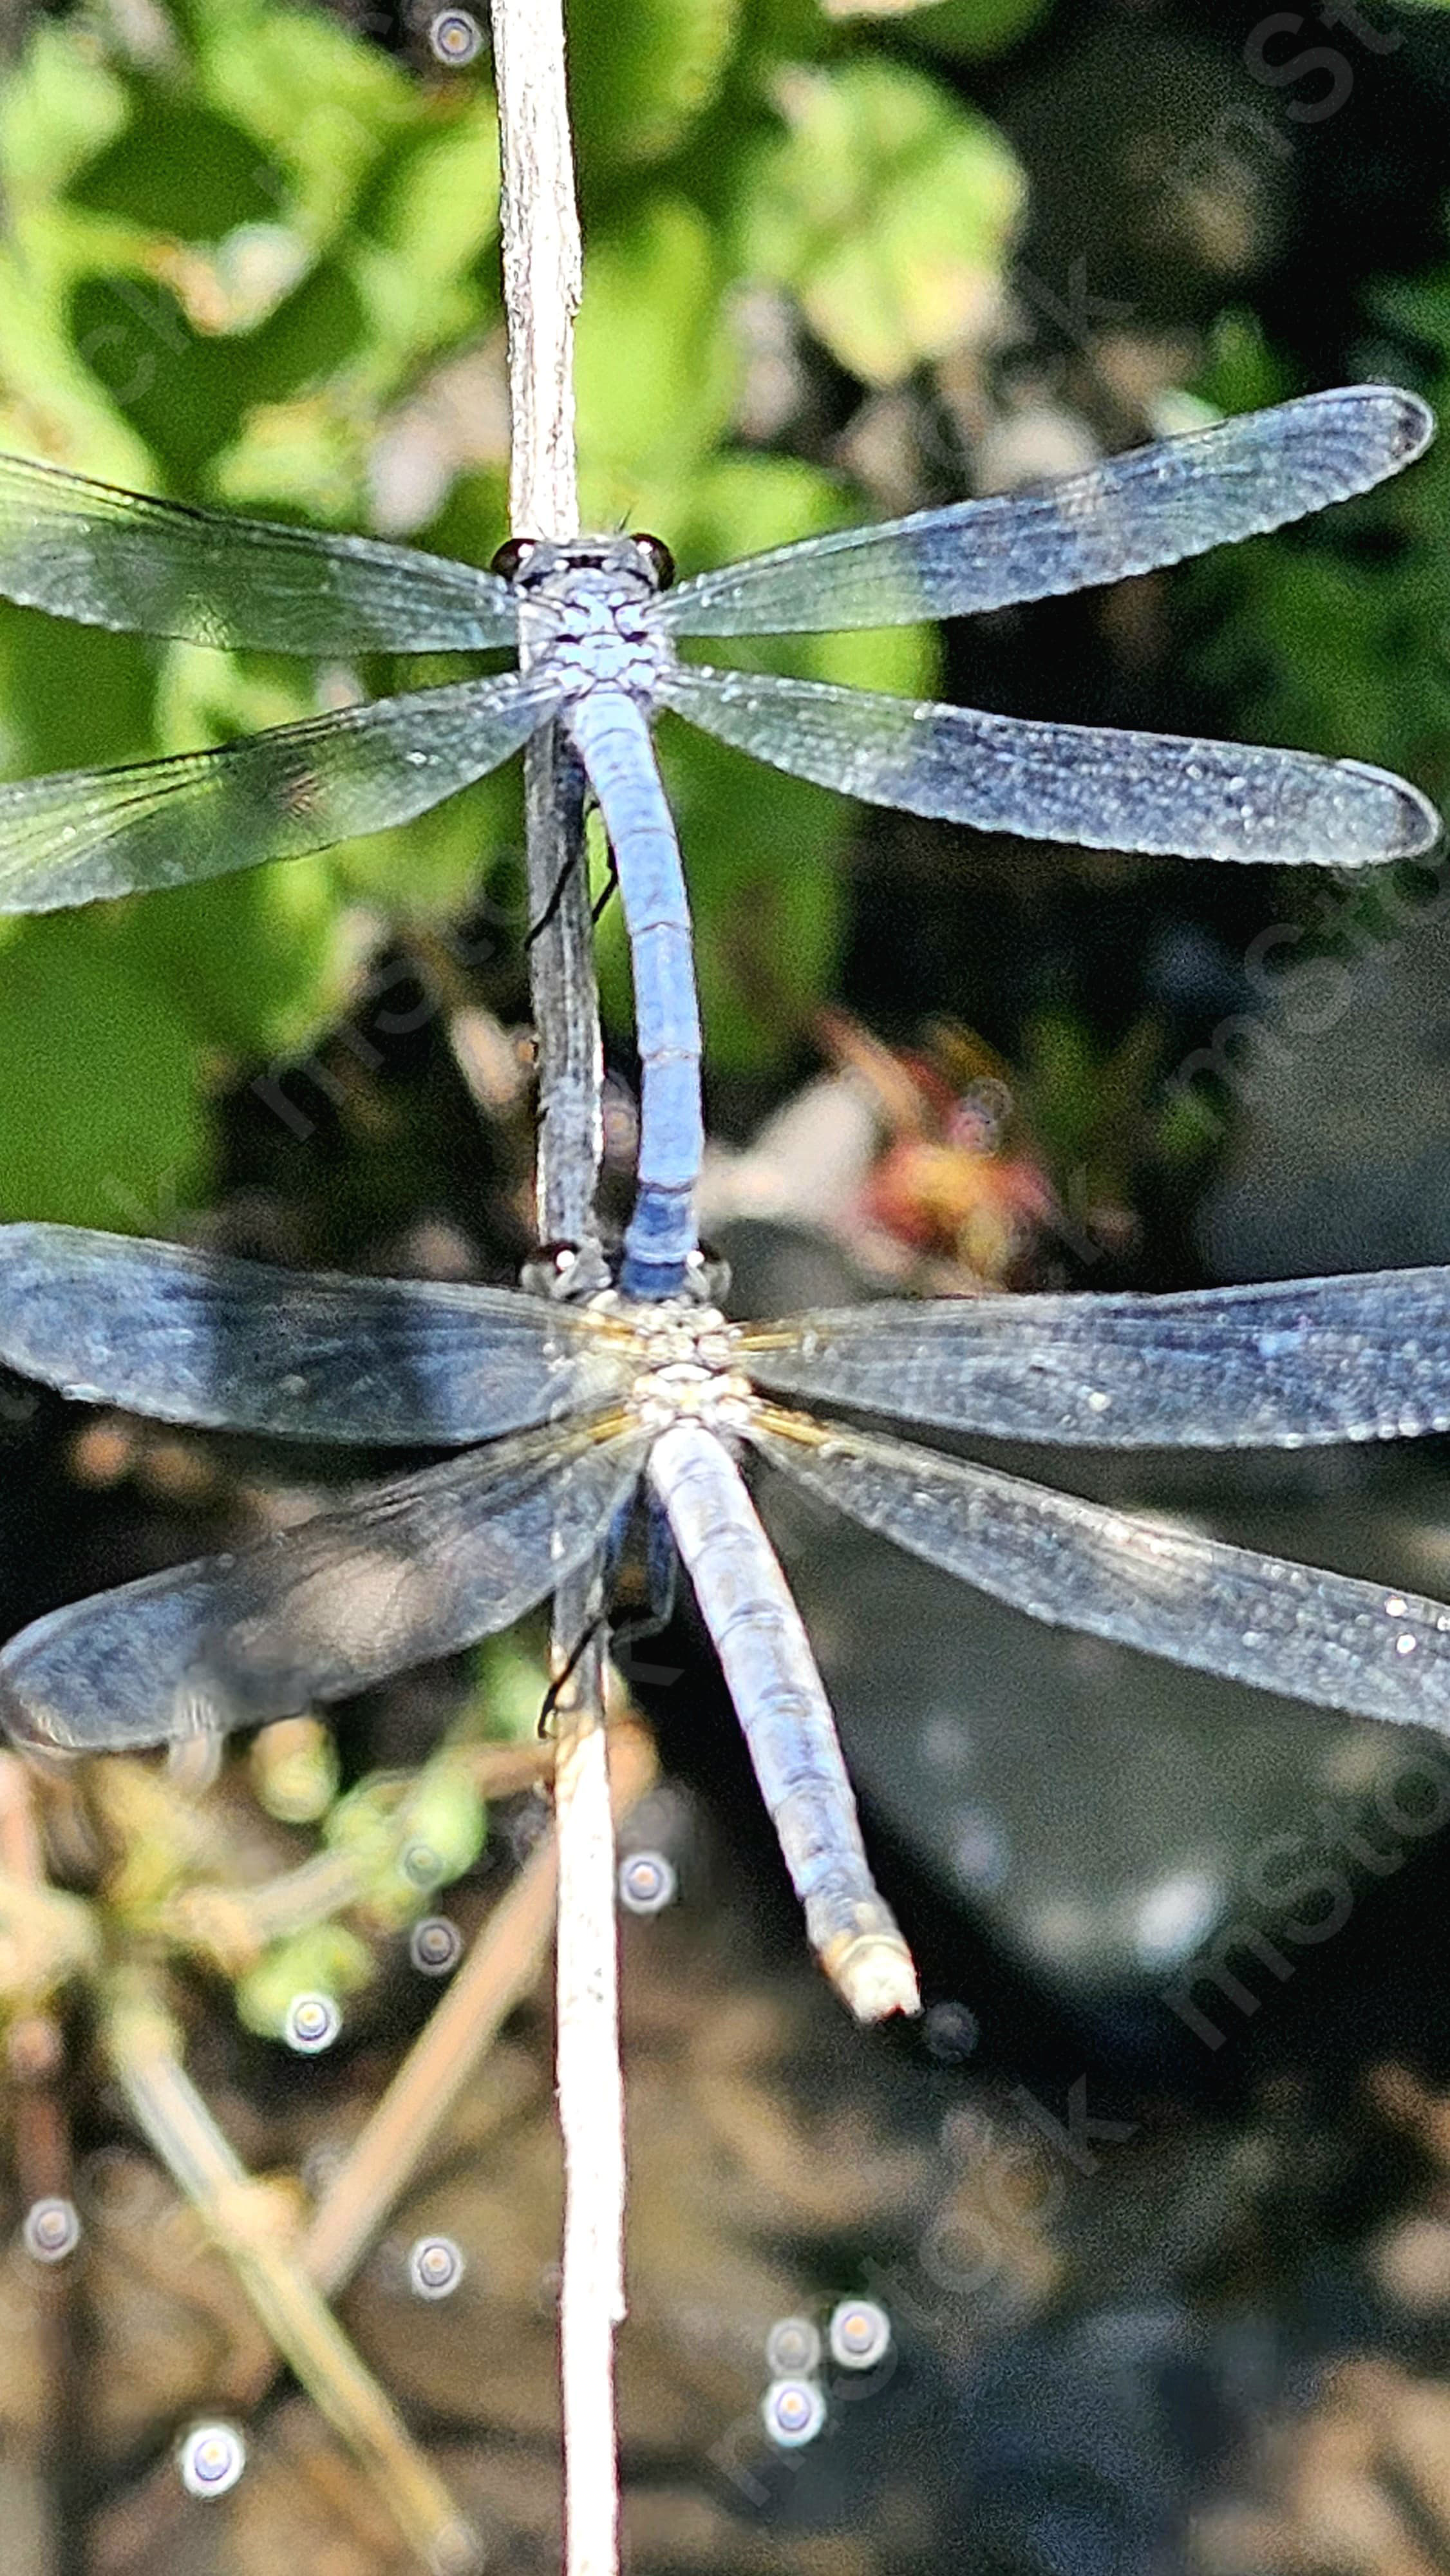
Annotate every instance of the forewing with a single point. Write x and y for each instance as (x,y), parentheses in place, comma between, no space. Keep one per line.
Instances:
(1105,789)
(1257,1619)
(1151,507)
(194,1337)
(420,1567)
(110,558)
(1365,1357)
(84,834)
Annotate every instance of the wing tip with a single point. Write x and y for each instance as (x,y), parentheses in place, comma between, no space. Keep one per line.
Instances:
(1423,824)
(1417,826)
(1404,422)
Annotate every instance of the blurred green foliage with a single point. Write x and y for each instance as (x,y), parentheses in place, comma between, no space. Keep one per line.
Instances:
(256,265)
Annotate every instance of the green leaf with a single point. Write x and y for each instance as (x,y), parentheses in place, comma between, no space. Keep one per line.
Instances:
(970,29)
(655,366)
(180,168)
(432,214)
(326,1959)
(71,697)
(187,392)
(640,78)
(888,210)
(58,106)
(322,101)
(102,1118)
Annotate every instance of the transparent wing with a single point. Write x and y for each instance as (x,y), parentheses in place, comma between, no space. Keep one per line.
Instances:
(90,833)
(1150,507)
(416,1568)
(110,558)
(1094,785)
(1360,1358)
(1257,1619)
(193,1337)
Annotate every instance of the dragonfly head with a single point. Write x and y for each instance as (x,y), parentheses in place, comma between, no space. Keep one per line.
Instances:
(541,565)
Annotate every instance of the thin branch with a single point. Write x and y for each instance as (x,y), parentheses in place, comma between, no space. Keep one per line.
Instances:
(501,1969)
(541,280)
(541,264)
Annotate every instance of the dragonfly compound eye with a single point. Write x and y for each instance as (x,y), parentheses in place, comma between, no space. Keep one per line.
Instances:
(511,557)
(657,555)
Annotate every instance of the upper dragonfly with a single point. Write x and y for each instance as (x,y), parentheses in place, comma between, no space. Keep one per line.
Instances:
(578,1402)
(595,627)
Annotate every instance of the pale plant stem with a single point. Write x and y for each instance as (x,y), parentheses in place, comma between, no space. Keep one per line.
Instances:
(541,268)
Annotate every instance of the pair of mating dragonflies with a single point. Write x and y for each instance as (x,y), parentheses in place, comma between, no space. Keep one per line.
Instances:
(564,1410)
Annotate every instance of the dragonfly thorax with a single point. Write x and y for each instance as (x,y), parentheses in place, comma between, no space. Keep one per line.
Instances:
(692,1391)
(687,1366)
(586,608)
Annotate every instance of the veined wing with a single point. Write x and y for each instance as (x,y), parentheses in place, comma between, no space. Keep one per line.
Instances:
(1163,794)
(1366,1357)
(194,1337)
(111,558)
(1151,507)
(1315,1636)
(416,1568)
(84,834)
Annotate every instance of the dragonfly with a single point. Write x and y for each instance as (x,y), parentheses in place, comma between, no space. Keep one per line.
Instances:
(564,1417)
(595,624)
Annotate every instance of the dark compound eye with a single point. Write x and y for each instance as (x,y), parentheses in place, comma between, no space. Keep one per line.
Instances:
(657,555)
(511,556)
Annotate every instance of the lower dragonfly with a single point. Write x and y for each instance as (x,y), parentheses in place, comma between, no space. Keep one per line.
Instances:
(566,1410)
(595,626)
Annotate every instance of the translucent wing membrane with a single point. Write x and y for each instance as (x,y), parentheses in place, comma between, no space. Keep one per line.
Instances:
(416,1568)
(85,834)
(1103,789)
(110,558)
(191,1337)
(1150,507)
(1358,1358)
(1258,1619)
